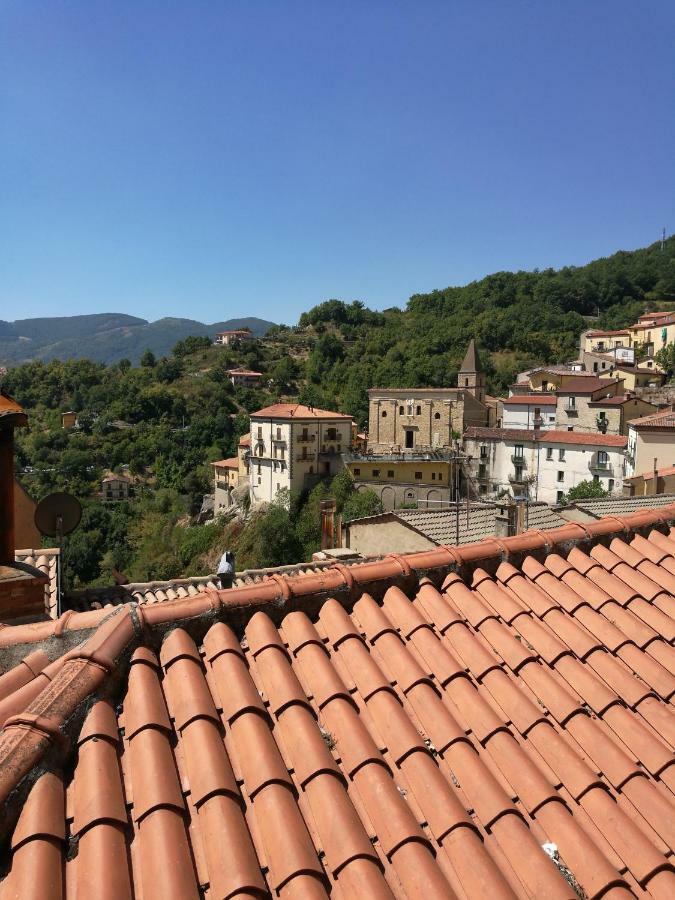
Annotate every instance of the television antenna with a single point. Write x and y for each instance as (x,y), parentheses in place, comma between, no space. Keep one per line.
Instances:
(56,516)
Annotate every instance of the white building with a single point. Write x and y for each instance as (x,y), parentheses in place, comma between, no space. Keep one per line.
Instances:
(293,446)
(529,411)
(542,465)
(238,335)
(651,443)
(244,377)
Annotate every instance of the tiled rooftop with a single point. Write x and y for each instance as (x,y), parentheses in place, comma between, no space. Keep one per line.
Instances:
(474,525)
(368,732)
(296,411)
(46,559)
(547,436)
(620,506)
(539,399)
(664,419)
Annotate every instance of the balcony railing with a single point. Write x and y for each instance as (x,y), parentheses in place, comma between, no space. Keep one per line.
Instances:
(517,478)
(518,459)
(309,457)
(306,438)
(605,467)
(571,409)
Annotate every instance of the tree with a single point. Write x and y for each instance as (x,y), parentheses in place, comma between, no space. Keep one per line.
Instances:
(666,359)
(148,359)
(585,490)
(360,504)
(191,344)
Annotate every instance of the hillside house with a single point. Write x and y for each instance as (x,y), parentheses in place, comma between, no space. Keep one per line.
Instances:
(69,420)
(236,336)
(542,465)
(226,478)
(244,377)
(529,411)
(115,488)
(293,446)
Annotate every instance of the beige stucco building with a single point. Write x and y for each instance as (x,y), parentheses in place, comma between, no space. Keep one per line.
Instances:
(293,446)
(651,443)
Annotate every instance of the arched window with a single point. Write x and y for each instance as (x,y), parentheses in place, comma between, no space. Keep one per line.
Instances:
(384,413)
(437,415)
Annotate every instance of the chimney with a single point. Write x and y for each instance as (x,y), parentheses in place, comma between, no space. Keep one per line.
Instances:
(327,524)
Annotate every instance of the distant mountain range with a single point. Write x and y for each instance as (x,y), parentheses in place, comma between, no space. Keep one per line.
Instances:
(104,337)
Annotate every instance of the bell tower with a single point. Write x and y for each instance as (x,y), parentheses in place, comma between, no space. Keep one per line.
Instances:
(471,377)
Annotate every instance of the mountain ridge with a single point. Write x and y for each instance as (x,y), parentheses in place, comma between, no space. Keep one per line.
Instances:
(105,337)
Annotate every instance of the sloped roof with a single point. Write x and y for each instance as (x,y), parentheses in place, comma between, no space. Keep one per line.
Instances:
(585,385)
(297,411)
(10,412)
(373,734)
(46,559)
(597,507)
(664,419)
(231,463)
(471,359)
(475,524)
(547,436)
(540,399)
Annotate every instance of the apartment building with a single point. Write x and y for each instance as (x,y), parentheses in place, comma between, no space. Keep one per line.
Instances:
(542,465)
(529,411)
(293,446)
(651,443)
(412,478)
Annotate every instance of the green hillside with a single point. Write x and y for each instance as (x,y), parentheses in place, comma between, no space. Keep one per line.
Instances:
(105,337)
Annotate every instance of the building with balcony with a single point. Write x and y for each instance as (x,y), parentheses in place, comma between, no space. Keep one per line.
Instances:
(294,446)
(541,465)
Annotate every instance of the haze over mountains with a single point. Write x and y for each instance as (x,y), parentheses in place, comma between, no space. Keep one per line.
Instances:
(104,337)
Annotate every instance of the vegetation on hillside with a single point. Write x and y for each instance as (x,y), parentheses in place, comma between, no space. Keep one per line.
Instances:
(166,419)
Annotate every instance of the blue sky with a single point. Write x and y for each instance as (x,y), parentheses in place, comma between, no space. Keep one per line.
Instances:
(215,159)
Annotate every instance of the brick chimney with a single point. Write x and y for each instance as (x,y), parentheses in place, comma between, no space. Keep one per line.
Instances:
(22,587)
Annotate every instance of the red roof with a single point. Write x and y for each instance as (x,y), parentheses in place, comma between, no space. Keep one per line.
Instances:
(547,436)
(607,333)
(664,419)
(316,739)
(245,440)
(296,411)
(660,473)
(530,400)
(10,412)
(232,463)
(587,385)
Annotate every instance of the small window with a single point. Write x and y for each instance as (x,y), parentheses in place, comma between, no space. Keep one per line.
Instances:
(558,496)
(610,484)
(570,427)
(561,455)
(437,416)
(561,476)
(483,489)
(433,476)
(376,473)
(401,410)
(537,412)
(384,413)
(419,410)
(390,473)
(466,382)
(357,471)
(518,450)
(549,453)
(418,476)
(278,434)
(440,476)
(259,479)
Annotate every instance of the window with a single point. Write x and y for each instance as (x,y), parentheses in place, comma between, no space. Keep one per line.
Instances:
(518,450)
(258,469)
(537,412)
(339,448)
(483,488)
(376,473)
(437,415)
(483,452)
(561,476)
(390,473)
(259,479)
(278,434)
(259,433)
(440,476)
(549,453)
(571,402)
(602,416)
(384,413)
(570,427)
(357,471)
(419,410)
(595,367)
(401,410)
(418,476)
(433,476)
(558,496)
(466,382)
(561,455)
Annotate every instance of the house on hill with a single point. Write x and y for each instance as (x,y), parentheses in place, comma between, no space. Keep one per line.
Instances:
(235,336)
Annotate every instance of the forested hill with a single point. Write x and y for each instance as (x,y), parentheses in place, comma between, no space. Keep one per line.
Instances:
(105,337)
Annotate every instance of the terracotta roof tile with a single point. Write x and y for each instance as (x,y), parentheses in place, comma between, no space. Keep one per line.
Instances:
(297,411)
(360,732)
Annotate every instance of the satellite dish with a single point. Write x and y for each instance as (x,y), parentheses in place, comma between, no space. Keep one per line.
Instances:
(58,514)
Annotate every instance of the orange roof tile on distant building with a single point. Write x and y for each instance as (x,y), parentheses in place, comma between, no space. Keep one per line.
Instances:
(540,399)
(550,436)
(11,412)
(586,385)
(245,440)
(231,463)
(296,411)
(664,419)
